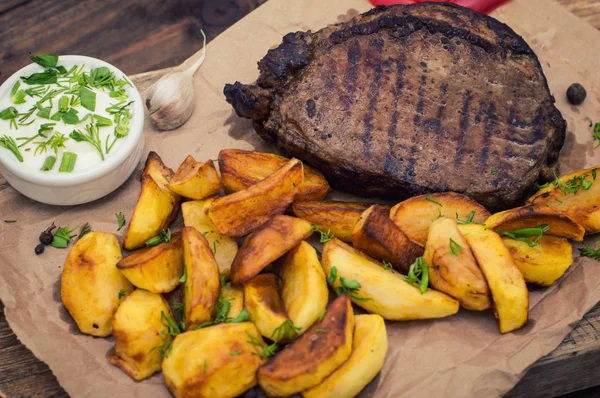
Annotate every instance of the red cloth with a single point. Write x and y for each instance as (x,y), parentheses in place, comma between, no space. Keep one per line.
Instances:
(483,6)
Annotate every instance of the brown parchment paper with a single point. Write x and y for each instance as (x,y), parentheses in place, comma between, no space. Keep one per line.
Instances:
(461,356)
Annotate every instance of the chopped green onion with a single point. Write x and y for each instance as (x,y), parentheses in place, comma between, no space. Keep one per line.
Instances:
(48,163)
(88,98)
(67,164)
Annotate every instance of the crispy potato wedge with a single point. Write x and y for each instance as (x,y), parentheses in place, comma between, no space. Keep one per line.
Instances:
(266,245)
(202,278)
(511,298)
(90,283)
(386,292)
(583,206)
(224,247)
(235,296)
(542,264)
(415,215)
(314,356)
(531,216)
(241,169)
(452,267)
(337,217)
(265,306)
(217,361)
(369,348)
(257,203)
(157,269)
(305,294)
(194,180)
(138,328)
(379,237)
(156,206)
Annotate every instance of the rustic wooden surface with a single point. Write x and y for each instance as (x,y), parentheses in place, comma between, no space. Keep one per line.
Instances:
(163,34)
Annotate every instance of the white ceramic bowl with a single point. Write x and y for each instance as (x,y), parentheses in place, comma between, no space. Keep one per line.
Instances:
(85,185)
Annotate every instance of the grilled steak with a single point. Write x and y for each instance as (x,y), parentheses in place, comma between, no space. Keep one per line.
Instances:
(408,100)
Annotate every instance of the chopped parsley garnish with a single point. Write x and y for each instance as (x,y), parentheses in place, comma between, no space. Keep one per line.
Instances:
(596,134)
(325,236)
(286,331)
(387,265)
(171,330)
(120,220)
(266,351)
(347,286)
(587,251)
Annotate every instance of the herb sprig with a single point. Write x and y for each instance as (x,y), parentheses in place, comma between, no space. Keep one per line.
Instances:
(526,234)
(163,236)
(325,236)
(10,144)
(419,273)
(285,331)
(587,251)
(348,286)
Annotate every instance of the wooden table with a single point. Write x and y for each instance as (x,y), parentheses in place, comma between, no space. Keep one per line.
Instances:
(139,36)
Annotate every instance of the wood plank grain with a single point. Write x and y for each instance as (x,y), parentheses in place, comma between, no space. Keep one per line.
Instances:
(169,40)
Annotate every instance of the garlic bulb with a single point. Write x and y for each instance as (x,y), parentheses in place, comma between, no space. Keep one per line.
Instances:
(171,100)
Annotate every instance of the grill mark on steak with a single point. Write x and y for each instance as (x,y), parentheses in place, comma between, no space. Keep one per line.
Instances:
(464,125)
(420,100)
(374,92)
(389,167)
(490,124)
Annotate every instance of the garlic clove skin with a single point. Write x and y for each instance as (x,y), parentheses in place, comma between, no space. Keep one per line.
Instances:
(171,100)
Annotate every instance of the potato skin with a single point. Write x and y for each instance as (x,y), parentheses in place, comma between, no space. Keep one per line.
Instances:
(241,169)
(337,217)
(194,180)
(544,263)
(194,215)
(138,329)
(201,288)
(390,295)
(263,302)
(379,237)
(414,216)
(156,207)
(213,362)
(583,207)
(531,216)
(369,348)
(314,356)
(266,245)
(157,269)
(511,298)
(90,283)
(258,203)
(457,275)
(305,294)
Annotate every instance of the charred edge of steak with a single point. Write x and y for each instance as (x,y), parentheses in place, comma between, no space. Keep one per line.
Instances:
(250,102)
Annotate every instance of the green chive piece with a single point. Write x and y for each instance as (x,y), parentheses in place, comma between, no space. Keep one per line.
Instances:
(88,98)
(67,164)
(48,163)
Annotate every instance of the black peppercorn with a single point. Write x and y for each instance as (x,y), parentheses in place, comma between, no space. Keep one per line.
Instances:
(46,236)
(576,94)
(39,249)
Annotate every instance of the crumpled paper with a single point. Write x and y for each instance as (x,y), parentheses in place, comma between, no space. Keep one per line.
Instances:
(460,356)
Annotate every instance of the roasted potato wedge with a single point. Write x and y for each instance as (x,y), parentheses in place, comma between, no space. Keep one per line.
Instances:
(582,206)
(217,361)
(369,347)
(452,267)
(157,269)
(224,247)
(415,215)
(241,169)
(337,217)
(194,180)
(257,203)
(379,237)
(314,356)
(90,283)
(266,245)
(386,292)
(305,294)
(138,328)
(202,280)
(235,296)
(544,263)
(156,206)
(511,298)
(532,216)
(265,306)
